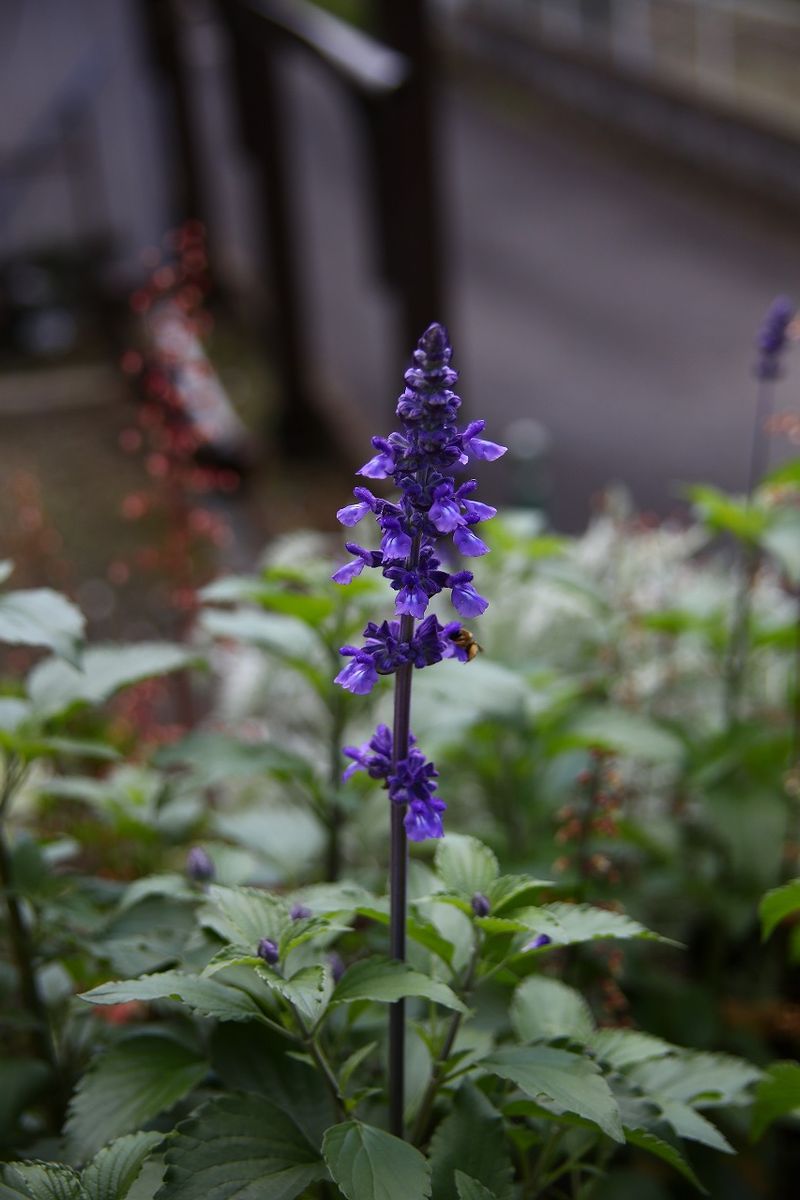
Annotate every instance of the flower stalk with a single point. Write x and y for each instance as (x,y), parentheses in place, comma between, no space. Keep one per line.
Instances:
(422,458)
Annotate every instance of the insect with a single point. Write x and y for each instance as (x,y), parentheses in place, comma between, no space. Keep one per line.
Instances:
(467,642)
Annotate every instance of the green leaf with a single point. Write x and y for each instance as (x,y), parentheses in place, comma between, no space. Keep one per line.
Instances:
(544,1009)
(700,1079)
(127,1086)
(782,539)
(626,733)
(218,758)
(245,915)
(288,637)
(688,1123)
(45,1181)
(54,686)
(206,996)
(385,980)
(572,1081)
(470,1189)
(111,1173)
(13,713)
(368,1164)
(779,903)
(510,892)
(308,990)
(42,617)
(622,1048)
(586,923)
(471,1138)
(728,514)
(663,1150)
(465,865)
(243,1147)
(252,1058)
(777,1095)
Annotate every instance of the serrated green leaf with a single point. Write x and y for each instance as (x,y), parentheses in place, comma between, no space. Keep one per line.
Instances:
(386,980)
(622,1048)
(509,892)
(571,1081)
(127,1086)
(42,617)
(245,915)
(663,1150)
(544,1009)
(465,865)
(700,1079)
(111,1173)
(369,1164)
(54,686)
(586,923)
(778,904)
(777,1095)
(206,996)
(690,1124)
(471,1138)
(308,990)
(243,1147)
(45,1181)
(469,1188)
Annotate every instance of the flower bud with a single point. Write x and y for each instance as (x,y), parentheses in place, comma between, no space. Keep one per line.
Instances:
(199,865)
(538,942)
(268,950)
(480,905)
(299,911)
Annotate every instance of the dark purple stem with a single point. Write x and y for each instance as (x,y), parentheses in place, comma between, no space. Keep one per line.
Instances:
(398,875)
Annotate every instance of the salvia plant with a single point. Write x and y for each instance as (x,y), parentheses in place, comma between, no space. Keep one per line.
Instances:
(242,1047)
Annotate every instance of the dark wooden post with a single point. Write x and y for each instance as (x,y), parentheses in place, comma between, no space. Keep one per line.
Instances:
(256,47)
(410,185)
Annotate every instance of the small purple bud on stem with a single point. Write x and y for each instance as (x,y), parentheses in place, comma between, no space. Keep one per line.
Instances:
(268,950)
(538,942)
(480,905)
(199,865)
(299,912)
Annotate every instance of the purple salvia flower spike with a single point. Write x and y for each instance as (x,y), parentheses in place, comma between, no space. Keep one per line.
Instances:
(421,458)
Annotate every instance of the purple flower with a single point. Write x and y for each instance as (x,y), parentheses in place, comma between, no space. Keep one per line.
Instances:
(268,950)
(421,458)
(364,558)
(772,337)
(468,542)
(411,782)
(480,905)
(395,543)
(468,602)
(199,865)
(299,912)
(374,757)
(359,676)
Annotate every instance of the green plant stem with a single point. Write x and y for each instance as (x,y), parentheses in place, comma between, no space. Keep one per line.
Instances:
(736,657)
(335,815)
(539,1181)
(311,1043)
(22,950)
(437,1078)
